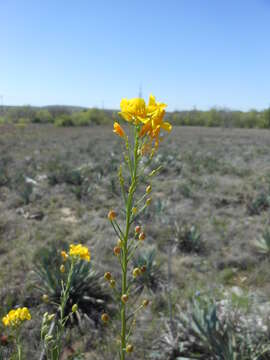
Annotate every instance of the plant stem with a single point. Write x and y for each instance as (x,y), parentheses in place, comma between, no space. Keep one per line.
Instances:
(63,319)
(133,175)
(19,351)
(18,344)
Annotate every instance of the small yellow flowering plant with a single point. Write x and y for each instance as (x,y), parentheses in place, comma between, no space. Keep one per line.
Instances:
(146,122)
(13,320)
(52,335)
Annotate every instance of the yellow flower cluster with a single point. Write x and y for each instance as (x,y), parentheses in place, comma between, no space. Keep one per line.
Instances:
(149,116)
(79,251)
(16,317)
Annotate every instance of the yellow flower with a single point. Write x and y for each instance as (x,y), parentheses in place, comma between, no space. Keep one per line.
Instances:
(79,251)
(16,317)
(118,130)
(133,110)
(153,122)
(64,255)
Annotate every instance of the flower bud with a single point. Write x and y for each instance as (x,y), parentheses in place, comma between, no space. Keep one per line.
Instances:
(44,330)
(51,317)
(145,303)
(74,308)
(64,255)
(4,340)
(111,215)
(148,189)
(129,348)
(117,250)
(45,298)
(105,318)
(107,276)
(119,243)
(62,268)
(134,210)
(137,229)
(112,283)
(142,236)
(118,130)
(143,268)
(48,338)
(45,316)
(124,298)
(148,201)
(136,272)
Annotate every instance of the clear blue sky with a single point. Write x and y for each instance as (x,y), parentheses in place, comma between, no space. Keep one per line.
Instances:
(188,53)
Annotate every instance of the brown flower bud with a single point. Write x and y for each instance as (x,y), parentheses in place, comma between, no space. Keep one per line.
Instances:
(111,215)
(107,276)
(137,229)
(105,318)
(142,236)
(117,250)
(124,298)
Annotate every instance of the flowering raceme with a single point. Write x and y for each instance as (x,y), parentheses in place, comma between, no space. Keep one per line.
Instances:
(79,251)
(16,317)
(150,116)
(147,121)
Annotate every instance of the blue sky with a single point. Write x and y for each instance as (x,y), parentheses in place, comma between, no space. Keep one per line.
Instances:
(189,53)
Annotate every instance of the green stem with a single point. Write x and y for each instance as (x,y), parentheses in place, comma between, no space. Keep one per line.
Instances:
(19,351)
(63,318)
(133,175)
(18,344)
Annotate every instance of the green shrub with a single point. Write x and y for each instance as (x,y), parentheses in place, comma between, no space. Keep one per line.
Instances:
(62,173)
(64,120)
(42,117)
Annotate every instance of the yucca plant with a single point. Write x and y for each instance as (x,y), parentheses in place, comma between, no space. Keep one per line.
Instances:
(263,243)
(260,203)
(214,337)
(4,173)
(189,239)
(151,278)
(202,332)
(86,290)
